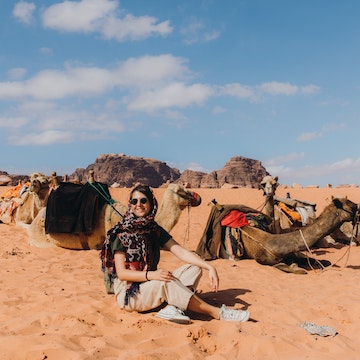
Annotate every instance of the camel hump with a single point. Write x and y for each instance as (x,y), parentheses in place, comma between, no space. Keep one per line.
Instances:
(74,208)
(293,202)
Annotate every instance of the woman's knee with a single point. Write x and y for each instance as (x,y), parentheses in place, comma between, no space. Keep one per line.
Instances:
(189,275)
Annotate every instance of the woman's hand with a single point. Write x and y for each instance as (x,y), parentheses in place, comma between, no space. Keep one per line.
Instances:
(214,279)
(192,258)
(160,274)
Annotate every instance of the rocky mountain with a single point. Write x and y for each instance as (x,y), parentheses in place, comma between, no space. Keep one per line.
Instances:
(128,170)
(125,171)
(11,180)
(238,171)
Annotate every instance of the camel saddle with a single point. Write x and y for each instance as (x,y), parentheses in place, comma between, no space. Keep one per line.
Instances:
(210,243)
(299,211)
(74,208)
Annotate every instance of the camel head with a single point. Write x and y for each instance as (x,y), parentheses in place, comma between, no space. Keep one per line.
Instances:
(184,198)
(38,182)
(269,185)
(348,211)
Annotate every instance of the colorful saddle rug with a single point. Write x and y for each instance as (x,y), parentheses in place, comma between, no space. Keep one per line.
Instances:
(74,208)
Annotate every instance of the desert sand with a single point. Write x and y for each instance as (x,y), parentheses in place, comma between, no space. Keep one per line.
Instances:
(54,305)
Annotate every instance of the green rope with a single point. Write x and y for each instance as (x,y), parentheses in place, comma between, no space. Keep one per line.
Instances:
(106,197)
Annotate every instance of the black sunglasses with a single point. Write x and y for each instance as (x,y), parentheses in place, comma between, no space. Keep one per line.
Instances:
(135,201)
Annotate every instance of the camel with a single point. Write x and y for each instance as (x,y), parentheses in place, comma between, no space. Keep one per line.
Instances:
(175,199)
(271,249)
(274,249)
(269,185)
(22,209)
(282,223)
(275,207)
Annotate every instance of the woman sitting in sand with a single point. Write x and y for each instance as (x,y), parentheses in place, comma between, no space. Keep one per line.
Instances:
(140,286)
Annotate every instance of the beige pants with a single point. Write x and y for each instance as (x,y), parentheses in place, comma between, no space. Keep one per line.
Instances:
(154,292)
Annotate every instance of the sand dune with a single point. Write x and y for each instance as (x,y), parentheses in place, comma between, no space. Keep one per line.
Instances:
(54,305)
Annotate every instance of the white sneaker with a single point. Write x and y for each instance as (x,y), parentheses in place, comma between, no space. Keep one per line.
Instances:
(172,313)
(233,315)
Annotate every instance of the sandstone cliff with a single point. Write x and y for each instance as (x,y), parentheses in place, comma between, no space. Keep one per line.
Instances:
(238,171)
(125,171)
(128,170)
(11,179)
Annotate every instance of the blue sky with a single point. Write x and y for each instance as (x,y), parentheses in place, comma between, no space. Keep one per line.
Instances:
(190,83)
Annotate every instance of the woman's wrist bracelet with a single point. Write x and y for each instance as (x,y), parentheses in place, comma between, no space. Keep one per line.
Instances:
(146,275)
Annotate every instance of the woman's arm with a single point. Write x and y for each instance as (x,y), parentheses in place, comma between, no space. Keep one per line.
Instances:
(127,274)
(192,258)
(138,276)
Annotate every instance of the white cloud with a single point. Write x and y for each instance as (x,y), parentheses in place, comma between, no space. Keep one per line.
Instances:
(101,16)
(175,94)
(151,71)
(196,167)
(10,90)
(278,88)
(237,90)
(278,166)
(134,28)
(344,164)
(195,31)
(78,16)
(36,107)
(281,171)
(81,122)
(13,122)
(327,128)
(310,89)
(280,160)
(320,171)
(150,84)
(272,88)
(309,136)
(44,138)
(54,84)
(147,84)
(44,123)
(134,74)
(23,11)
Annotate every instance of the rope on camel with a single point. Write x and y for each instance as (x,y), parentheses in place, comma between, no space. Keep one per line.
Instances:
(347,252)
(106,197)
(187,232)
(257,241)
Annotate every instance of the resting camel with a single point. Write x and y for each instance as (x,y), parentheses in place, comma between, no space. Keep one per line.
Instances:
(274,249)
(270,249)
(23,209)
(272,208)
(281,222)
(269,185)
(174,200)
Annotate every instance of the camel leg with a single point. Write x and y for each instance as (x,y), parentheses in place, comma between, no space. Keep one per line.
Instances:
(297,263)
(293,268)
(309,262)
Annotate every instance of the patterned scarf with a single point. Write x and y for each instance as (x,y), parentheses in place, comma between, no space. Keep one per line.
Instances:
(133,233)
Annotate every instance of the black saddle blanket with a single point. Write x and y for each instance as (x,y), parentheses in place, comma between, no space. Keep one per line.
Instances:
(74,208)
